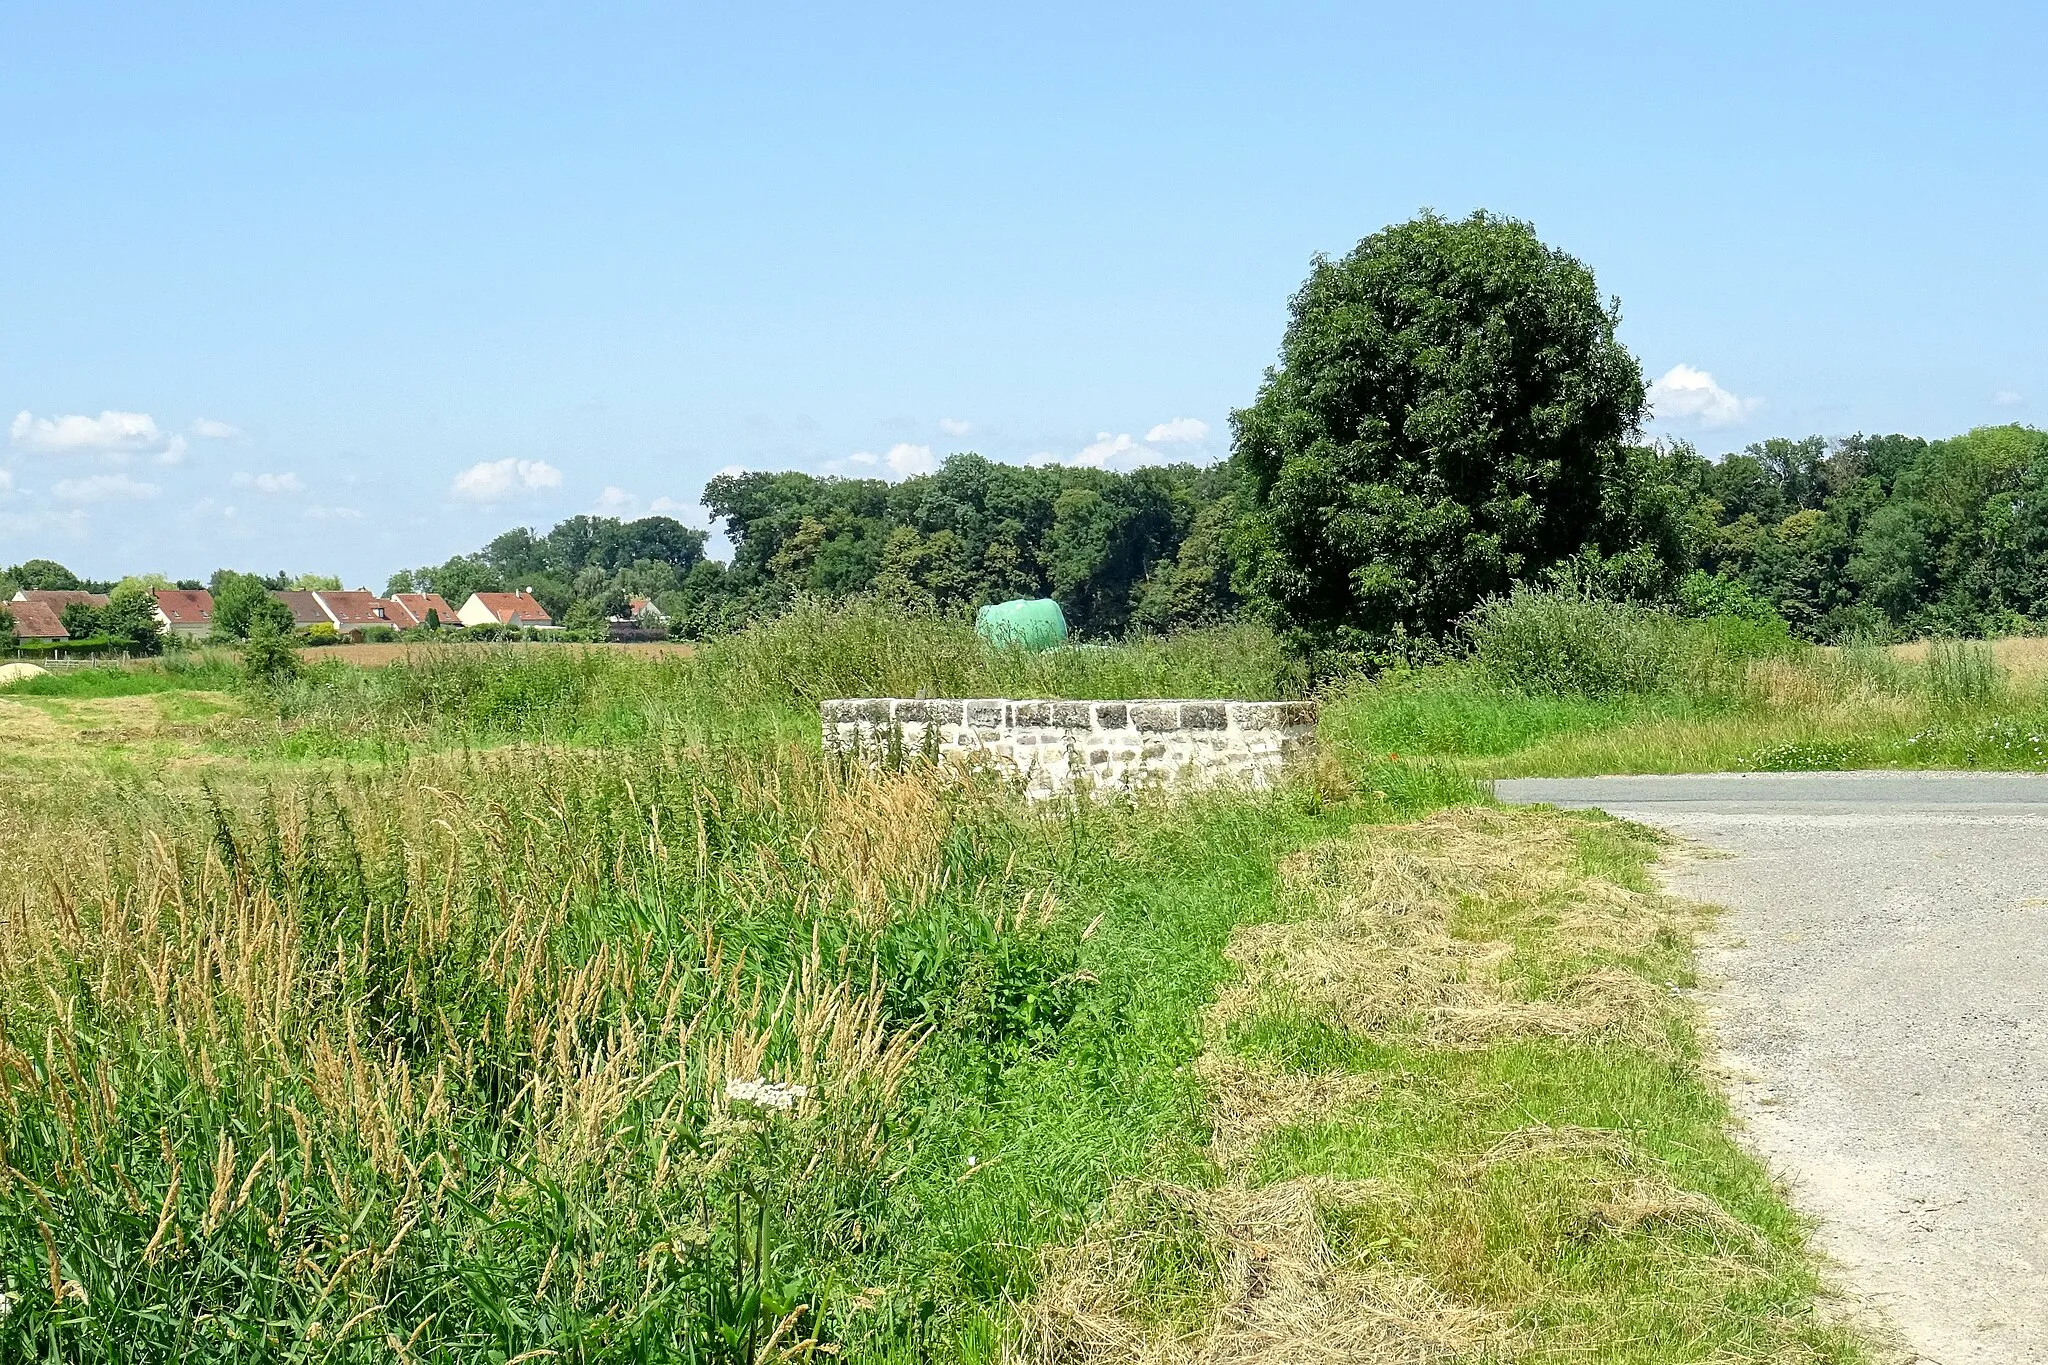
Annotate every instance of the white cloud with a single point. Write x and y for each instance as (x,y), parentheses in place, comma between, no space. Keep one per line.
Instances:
(213,430)
(108,431)
(2009,398)
(615,501)
(269,483)
(1178,430)
(490,480)
(6,481)
(102,487)
(1105,449)
(1688,395)
(953,426)
(329,514)
(905,460)
(173,451)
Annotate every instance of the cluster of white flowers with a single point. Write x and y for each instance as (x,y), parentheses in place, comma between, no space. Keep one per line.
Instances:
(766,1094)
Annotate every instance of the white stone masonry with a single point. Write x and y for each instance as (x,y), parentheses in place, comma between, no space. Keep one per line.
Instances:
(1060,746)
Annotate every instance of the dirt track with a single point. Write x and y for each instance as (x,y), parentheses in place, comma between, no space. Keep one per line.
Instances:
(1882,1012)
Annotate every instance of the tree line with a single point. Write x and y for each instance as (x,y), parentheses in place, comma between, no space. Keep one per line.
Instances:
(1451,414)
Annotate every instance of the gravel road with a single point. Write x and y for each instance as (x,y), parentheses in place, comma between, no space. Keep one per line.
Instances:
(1879,987)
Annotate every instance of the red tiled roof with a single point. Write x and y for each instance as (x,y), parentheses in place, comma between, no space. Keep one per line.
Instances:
(505,605)
(185,607)
(35,620)
(305,611)
(416,605)
(359,609)
(56,599)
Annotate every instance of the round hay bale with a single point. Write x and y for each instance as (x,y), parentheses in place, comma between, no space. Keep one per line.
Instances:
(13,673)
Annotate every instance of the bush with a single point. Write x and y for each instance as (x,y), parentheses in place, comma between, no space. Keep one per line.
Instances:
(1562,643)
(1565,644)
(321,633)
(268,657)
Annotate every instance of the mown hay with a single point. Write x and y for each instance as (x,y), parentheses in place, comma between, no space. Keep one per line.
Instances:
(1419,933)
(1267,1287)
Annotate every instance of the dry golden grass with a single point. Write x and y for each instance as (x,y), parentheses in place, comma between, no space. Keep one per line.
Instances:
(2022,656)
(881,837)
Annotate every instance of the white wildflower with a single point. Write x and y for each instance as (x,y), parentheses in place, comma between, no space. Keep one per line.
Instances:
(6,1305)
(765,1094)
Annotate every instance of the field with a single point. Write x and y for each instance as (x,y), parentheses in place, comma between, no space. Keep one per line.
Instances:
(500,1005)
(373,656)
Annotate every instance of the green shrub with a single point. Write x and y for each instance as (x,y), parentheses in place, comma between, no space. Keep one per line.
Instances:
(1561,643)
(268,657)
(1557,642)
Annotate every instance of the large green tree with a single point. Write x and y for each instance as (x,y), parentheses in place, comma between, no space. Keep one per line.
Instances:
(1449,414)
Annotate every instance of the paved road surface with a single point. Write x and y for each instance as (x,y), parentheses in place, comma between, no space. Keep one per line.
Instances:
(1884,1017)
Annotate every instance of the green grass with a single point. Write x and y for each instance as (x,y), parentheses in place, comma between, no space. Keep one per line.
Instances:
(208,671)
(463,950)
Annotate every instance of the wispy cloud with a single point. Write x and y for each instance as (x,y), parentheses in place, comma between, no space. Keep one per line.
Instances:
(1179,431)
(953,426)
(1689,396)
(490,480)
(615,501)
(103,488)
(2009,398)
(269,483)
(214,430)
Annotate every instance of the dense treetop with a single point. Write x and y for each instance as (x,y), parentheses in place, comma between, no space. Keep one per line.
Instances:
(1449,412)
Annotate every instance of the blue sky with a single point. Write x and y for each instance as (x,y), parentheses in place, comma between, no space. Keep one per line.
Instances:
(344,288)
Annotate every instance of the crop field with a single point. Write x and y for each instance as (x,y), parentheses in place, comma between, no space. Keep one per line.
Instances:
(570,1005)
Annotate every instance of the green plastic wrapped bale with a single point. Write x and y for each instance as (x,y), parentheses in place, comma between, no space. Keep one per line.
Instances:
(1028,623)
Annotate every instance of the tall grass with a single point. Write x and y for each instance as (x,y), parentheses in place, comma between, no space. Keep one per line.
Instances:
(758,685)
(1557,683)
(450,1059)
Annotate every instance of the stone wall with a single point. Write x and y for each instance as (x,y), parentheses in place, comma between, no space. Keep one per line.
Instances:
(1058,746)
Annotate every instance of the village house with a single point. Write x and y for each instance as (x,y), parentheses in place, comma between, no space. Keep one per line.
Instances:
(39,612)
(641,621)
(305,608)
(360,610)
(56,599)
(416,605)
(517,610)
(36,623)
(186,613)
